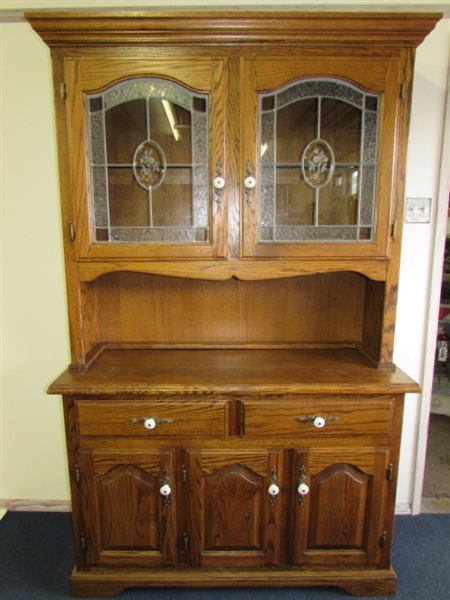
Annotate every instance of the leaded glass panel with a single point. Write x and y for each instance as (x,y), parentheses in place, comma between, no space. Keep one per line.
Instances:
(318,162)
(148,151)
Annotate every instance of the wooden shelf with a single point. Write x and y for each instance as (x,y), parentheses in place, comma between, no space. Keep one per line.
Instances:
(164,371)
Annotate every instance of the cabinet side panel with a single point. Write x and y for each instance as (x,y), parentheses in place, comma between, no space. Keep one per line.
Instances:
(373,319)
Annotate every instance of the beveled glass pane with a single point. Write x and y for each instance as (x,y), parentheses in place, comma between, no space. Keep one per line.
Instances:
(318,154)
(175,140)
(296,127)
(148,88)
(201,235)
(370,137)
(266,234)
(96,104)
(371,103)
(200,136)
(99,184)
(267,196)
(318,164)
(295,203)
(172,202)
(340,126)
(102,235)
(314,88)
(367,194)
(268,103)
(316,234)
(97,137)
(200,204)
(338,202)
(128,202)
(267,138)
(125,129)
(149,157)
(152,234)
(365,233)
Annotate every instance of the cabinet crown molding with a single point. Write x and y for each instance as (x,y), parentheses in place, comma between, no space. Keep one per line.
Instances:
(337,29)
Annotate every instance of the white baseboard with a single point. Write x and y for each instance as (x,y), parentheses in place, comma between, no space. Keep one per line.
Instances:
(36,505)
(403,508)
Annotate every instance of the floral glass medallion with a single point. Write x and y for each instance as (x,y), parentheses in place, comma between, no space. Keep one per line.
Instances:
(318,163)
(149,165)
(318,142)
(149,158)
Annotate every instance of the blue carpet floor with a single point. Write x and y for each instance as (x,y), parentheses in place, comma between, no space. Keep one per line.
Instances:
(36,559)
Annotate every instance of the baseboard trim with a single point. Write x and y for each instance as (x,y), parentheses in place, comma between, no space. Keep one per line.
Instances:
(36,505)
(403,508)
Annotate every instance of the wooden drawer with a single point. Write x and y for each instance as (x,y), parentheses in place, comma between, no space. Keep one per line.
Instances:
(167,418)
(297,416)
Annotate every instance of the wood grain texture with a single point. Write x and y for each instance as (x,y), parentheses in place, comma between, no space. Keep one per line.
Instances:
(167,310)
(382,31)
(105,583)
(232,346)
(233,371)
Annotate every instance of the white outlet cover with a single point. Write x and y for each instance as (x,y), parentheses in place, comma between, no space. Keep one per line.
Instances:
(418,210)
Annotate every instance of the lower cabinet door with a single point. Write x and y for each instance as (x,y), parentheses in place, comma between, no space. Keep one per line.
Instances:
(339,515)
(128,507)
(235,507)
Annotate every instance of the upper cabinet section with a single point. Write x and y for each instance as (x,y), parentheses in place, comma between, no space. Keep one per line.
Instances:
(323,163)
(218,135)
(143,136)
(148,154)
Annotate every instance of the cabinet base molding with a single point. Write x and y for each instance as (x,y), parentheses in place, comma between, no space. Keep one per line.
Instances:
(106,583)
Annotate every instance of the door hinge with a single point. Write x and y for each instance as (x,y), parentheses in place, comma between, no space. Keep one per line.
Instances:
(390,472)
(83,542)
(403,91)
(394,230)
(63,91)
(77,474)
(71,231)
(383,540)
(183,474)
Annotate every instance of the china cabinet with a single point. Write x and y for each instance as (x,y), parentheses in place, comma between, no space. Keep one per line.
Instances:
(231,190)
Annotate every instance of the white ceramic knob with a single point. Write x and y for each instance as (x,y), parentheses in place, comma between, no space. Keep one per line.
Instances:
(219,183)
(319,422)
(250,182)
(274,490)
(303,489)
(149,423)
(165,490)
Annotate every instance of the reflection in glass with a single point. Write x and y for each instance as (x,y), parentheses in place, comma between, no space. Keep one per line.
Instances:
(318,156)
(148,148)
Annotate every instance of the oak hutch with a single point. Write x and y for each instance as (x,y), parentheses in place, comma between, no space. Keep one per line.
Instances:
(232,198)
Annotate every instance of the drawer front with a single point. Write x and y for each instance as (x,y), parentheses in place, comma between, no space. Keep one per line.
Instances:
(318,417)
(151,418)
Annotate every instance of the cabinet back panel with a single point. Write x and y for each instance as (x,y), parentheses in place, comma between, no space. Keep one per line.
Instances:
(154,309)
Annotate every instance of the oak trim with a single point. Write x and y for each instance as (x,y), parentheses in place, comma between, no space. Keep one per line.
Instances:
(388,31)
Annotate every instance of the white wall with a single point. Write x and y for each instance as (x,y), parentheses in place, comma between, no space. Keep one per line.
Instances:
(33,314)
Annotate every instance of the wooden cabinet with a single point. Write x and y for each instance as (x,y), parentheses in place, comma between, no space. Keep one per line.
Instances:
(232,191)
(122,206)
(235,520)
(127,519)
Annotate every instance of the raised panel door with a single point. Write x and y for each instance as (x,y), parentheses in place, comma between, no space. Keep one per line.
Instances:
(339,519)
(146,138)
(234,518)
(129,516)
(322,163)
